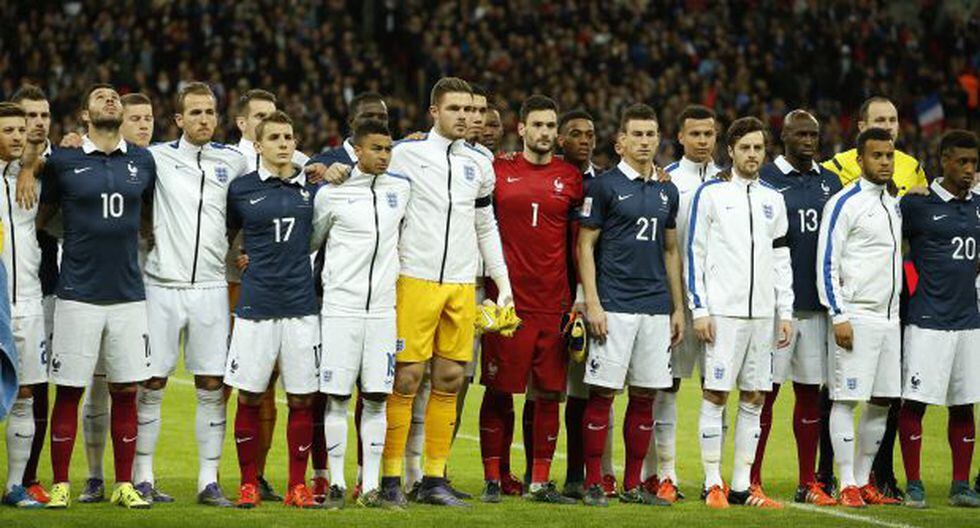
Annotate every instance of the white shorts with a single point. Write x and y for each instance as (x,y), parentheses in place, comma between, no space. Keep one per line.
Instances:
(87,333)
(940,367)
(741,355)
(354,348)
(872,368)
(636,353)
(201,315)
(805,359)
(31,343)
(257,346)
(688,353)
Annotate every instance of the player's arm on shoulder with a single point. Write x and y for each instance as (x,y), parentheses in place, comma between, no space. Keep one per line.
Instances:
(32,169)
(322,218)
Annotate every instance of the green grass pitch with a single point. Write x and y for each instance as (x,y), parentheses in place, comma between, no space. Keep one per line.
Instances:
(177,459)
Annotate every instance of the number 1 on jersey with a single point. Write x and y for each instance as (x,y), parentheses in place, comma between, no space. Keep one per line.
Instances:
(534,214)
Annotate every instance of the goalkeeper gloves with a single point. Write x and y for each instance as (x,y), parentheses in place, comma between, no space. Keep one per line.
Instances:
(500,319)
(576,335)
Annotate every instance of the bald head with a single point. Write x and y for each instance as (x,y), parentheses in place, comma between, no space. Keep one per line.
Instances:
(801,137)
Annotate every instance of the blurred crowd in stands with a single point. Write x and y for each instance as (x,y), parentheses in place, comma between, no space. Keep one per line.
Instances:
(748,57)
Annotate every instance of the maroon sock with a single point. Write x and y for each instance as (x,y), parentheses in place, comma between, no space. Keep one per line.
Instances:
(123,428)
(318,451)
(962,433)
(574,410)
(247,441)
(545,438)
(765,425)
(806,429)
(508,438)
(64,426)
(492,431)
(527,428)
(637,430)
(595,427)
(299,437)
(358,411)
(910,437)
(40,431)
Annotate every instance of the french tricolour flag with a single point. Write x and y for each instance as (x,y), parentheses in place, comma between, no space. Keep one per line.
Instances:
(930,113)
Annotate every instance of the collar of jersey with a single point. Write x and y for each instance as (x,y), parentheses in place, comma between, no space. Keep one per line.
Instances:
(438,138)
(88,146)
(247,147)
(868,185)
(786,168)
(349,149)
(941,191)
(187,146)
(628,171)
(298,179)
(742,180)
(693,166)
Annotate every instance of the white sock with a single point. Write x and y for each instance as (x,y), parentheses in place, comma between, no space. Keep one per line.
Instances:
(335,430)
(842,438)
(416,436)
(724,428)
(148,411)
(607,452)
(210,432)
(650,460)
(95,425)
(746,441)
(709,425)
(871,429)
(665,434)
(20,436)
(374,423)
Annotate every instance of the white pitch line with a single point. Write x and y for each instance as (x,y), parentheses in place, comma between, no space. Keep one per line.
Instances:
(805,507)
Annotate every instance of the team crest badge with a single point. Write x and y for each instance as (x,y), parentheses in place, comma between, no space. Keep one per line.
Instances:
(719,373)
(663,197)
(898,210)
(593,366)
(469,172)
(767,210)
(559,186)
(826,188)
(916,381)
(852,383)
(221,173)
(305,194)
(133,172)
(392,200)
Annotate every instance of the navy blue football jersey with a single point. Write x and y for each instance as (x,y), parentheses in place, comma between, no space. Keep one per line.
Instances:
(805,195)
(633,215)
(943,234)
(101,197)
(276,219)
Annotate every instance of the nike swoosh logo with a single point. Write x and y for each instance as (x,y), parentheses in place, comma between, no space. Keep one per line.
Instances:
(377,444)
(707,436)
(18,435)
(938,217)
(216,424)
(621,197)
(149,422)
(512,180)
(552,438)
(242,440)
(646,428)
(303,449)
(811,422)
(968,440)
(94,416)
(489,429)
(128,440)
(59,439)
(83,169)
(331,448)
(594,427)
(781,189)
(915,437)
(256,200)
(847,440)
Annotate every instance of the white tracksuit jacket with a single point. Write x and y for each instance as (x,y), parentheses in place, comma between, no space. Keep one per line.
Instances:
(450,213)
(738,263)
(360,220)
(189,213)
(21,252)
(688,176)
(859,253)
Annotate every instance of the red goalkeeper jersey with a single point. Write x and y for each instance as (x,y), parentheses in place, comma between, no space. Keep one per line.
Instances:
(535,205)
